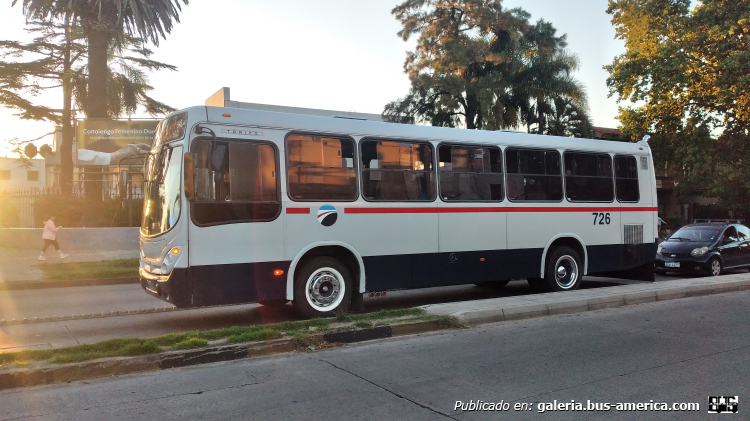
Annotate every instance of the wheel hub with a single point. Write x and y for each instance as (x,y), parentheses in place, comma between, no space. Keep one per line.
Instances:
(566,273)
(324,289)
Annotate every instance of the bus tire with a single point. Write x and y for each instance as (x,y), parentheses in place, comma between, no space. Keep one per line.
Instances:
(323,287)
(563,269)
(492,284)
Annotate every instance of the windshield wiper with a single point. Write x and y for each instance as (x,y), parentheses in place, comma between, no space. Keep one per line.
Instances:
(678,238)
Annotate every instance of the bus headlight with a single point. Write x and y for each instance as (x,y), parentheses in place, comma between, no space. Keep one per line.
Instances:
(699,251)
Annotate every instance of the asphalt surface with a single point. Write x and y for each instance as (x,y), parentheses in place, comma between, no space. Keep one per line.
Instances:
(96,304)
(677,351)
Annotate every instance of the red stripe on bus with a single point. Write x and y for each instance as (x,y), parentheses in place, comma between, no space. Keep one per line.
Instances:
(297,210)
(498,210)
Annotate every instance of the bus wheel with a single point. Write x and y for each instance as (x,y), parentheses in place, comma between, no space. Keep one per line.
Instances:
(323,287)
(563,270)
(492,284)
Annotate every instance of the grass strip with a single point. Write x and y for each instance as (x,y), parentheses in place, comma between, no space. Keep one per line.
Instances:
(128,347)
(90,270)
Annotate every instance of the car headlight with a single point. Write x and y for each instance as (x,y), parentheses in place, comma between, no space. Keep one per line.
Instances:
(699,251)
(658,250)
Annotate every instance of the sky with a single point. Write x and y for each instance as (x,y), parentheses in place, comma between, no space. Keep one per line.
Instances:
(331,54)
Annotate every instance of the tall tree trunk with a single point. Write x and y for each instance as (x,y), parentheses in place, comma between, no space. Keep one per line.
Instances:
(540,115)
(472,108)
(96,104)
(66,147)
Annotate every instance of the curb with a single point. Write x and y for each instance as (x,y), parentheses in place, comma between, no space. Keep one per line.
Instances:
(21,285)
(65,373)
(517,308)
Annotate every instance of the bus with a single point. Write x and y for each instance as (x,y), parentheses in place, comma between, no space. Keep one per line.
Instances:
(247,205)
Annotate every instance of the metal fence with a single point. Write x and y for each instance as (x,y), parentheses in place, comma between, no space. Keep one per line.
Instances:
(91,203)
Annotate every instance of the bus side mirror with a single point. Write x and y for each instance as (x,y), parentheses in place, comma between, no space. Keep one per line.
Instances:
(189,183)
(122,184)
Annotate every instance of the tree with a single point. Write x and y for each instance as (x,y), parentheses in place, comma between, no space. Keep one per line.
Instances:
(105,22)
(481,65)
(691,72)
(53,60)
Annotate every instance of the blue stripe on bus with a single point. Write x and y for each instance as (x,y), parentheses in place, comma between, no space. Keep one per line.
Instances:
(252,282)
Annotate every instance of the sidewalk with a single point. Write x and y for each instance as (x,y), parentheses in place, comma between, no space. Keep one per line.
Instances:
(554,303)
(22,264)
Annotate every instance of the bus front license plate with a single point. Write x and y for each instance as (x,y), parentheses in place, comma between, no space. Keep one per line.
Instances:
(672,264)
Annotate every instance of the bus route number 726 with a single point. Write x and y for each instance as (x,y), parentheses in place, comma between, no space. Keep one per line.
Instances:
(602,217)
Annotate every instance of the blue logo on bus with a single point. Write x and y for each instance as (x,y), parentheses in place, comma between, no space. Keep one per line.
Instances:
(327,215)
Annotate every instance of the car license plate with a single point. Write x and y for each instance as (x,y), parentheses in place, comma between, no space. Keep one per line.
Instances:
(672,264)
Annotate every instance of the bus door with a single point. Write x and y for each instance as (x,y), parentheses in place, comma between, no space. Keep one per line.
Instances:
(236,240)
(472,218)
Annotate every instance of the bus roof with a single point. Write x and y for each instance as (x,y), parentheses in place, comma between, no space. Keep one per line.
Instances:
(356,128)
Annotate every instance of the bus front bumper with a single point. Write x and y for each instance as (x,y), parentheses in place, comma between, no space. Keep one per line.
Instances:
(171,288)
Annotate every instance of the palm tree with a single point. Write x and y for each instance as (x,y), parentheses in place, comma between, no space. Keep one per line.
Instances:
(569,118)
(105,22)
(127,82)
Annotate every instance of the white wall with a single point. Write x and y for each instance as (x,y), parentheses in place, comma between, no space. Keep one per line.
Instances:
(19,175)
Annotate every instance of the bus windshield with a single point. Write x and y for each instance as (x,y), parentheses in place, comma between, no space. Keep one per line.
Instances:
(161,207)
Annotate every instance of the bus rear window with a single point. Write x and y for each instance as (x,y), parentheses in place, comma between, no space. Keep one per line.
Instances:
(234,182)
(626,177)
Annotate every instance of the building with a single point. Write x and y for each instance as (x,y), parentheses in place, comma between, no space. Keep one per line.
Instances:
(14,176)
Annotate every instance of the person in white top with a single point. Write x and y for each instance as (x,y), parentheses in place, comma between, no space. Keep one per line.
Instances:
(50,237)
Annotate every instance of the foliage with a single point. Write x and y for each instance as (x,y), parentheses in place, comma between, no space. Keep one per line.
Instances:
(689,71)
(9,217)
(104,22)
(235,334)
(483,66)
(124,268)
(73,211)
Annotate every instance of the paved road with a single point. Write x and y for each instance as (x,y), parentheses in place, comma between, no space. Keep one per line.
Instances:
(103,299)
(677,351)
(40,303)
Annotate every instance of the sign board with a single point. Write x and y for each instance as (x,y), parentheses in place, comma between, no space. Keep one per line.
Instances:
(113,135)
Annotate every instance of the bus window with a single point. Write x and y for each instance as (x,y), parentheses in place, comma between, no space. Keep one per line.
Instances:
(588,177)
(397,171)
(533,175)
(321,168)
(626,176)
(470,173)
(241,185)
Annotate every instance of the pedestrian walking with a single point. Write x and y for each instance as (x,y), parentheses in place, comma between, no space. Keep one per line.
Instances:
(50,237)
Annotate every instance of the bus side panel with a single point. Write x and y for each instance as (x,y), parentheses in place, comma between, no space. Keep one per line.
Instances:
(393,239)
(238,283)
(470,237)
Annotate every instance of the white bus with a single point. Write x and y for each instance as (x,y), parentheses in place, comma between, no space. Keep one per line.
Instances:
(256,206)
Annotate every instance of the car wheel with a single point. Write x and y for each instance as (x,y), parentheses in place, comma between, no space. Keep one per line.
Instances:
(563,270)
(714,267)
(492,284)
(322,288)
